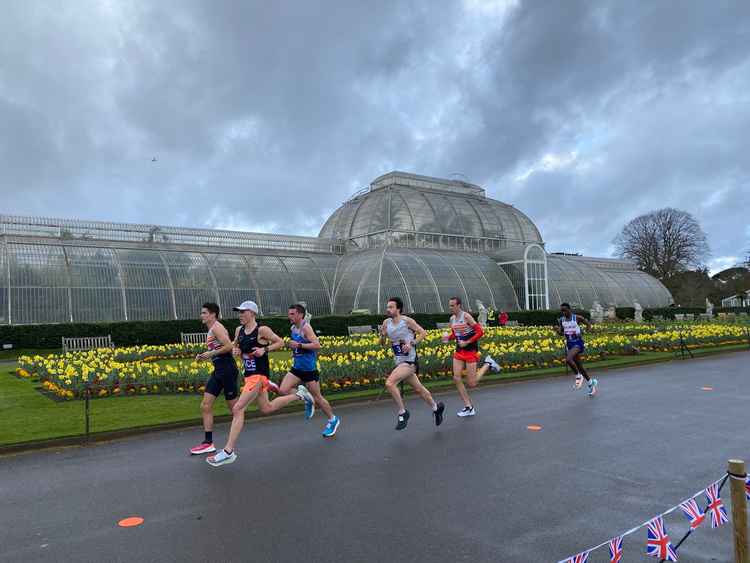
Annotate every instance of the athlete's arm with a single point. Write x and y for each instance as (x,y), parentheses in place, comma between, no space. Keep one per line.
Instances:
(383,334)
(585,322)
(419,332)
(236,342)
(221,334)
(310,335)
(274,341)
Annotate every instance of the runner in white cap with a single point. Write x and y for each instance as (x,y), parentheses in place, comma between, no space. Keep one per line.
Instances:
(253,342)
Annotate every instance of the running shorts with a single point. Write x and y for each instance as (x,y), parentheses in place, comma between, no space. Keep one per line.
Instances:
(575,343)
(252,381)
(224,378)
(305,376)
(468,356)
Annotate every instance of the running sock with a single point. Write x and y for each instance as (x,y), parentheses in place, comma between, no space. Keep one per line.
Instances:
(434,406)
(401,412)
(226,452)
(332,418)
(209,438)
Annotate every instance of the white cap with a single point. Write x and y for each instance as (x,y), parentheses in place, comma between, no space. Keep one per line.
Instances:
(247,306)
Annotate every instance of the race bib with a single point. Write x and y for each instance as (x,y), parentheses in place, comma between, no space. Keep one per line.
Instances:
(398,350)
(248,362)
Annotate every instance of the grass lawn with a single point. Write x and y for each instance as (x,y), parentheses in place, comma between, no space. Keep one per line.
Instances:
(29,416)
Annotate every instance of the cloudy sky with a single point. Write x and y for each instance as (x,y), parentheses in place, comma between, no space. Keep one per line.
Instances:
(265,116)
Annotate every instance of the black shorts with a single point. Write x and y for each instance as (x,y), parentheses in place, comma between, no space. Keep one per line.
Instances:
(305,376)
(224,378)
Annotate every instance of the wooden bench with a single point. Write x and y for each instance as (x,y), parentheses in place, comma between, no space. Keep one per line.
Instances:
(689,317)
(360,330)
(658,318)
(512,323)
(443,326)
(679,317)
(706,317)
(193,337)
(81,343)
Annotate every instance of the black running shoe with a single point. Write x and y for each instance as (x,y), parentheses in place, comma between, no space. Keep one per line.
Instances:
(439,414)
(403,420)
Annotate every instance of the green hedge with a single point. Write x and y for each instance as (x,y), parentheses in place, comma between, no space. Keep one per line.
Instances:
(165,332)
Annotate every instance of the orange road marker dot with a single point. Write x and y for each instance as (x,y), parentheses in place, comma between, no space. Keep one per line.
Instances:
(534,427)
(707,388)
(130,522)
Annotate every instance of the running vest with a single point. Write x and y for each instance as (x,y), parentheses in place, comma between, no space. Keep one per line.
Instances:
(212,343)
(400,333)
(251,364)
(305,360)
(571,328)
(463,331)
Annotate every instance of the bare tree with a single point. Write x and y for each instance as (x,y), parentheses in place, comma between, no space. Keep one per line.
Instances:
(663,242)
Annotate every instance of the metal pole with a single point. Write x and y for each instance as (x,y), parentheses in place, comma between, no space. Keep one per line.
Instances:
(739,493)
(87,410)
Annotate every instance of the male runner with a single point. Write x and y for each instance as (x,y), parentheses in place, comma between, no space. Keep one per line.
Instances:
(224,376)
(305,345)
(466,332)
(568,326)
(253,342)
(404,335)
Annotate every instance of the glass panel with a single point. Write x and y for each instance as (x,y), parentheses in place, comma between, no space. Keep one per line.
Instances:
(147,289)
(274,283)
(96,288)
(39,284)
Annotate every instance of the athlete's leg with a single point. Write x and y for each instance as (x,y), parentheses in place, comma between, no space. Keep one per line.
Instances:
(458,369)
(471,374)
(482,371)
(289,384)
(267,407)
(207,411)
(399,373)
(421,390)
(320,400)
(238,415)
(574,361)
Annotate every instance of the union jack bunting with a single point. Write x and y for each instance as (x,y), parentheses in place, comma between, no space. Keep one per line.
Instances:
(693,513)
(615,550)
(747,487)
(580,558)
(716,506)
(658,544)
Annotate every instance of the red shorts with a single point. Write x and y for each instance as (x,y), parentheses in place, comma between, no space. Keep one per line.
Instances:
(468,356)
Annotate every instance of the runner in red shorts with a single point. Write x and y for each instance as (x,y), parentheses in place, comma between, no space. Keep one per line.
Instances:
(466,332)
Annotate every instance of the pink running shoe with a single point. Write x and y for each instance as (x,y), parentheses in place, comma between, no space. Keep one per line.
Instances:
(203,448)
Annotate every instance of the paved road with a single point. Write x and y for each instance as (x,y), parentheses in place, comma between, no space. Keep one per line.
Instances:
(482,489)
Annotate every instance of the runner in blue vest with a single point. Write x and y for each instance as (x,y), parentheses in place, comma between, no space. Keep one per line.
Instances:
(305,345)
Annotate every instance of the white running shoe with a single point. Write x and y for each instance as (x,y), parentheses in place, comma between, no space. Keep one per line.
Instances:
(305,395)
(222,458)
(493,364)
(467,411)
(579,381)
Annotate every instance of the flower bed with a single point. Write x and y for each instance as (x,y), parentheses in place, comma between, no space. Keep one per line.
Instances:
(352,363)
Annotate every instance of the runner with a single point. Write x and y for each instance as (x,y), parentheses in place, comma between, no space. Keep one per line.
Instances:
(305,345)
(404,335)
(466,332)
(568,326)
(223,378)
(253,342)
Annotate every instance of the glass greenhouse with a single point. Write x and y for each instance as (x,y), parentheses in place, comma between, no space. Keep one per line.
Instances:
(424,239)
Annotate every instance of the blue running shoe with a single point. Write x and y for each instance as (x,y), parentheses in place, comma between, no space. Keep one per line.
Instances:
(593,384)
(331,427)
(304,394)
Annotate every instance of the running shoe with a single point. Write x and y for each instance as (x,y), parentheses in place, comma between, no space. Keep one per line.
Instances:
(203,448)
(222,458)
(579,381)
(593,384)
(439,413)
(273,387)
(403,420)
(331,427)
(493,364)
(468,411)
(304,394)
